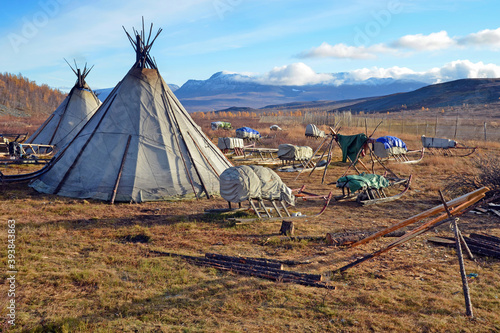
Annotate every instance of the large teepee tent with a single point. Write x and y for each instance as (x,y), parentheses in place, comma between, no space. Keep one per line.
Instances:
(141,145)
(73,113)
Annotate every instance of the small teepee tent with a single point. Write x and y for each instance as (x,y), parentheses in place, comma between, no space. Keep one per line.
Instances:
(74,112)
(141,145)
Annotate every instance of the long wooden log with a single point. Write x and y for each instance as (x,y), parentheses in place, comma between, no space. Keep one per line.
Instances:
(273,277)
(258,268)
(243,260)
(430,212)
(488,238)
(342,239)
(476,248)
(482,243)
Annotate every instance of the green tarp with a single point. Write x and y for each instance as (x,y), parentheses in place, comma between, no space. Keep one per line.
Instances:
(351,145)
(357,182)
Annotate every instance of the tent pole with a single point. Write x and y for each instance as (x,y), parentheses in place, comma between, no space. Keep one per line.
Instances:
(208,161)
(115,188)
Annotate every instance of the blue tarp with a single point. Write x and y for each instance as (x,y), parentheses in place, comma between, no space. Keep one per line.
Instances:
(392,141)
(247,132)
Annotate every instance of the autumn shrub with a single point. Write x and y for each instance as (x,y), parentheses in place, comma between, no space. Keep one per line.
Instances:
(486,172)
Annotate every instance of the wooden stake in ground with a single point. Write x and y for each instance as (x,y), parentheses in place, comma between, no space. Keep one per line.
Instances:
(287,228)
(465,285)
(458,241)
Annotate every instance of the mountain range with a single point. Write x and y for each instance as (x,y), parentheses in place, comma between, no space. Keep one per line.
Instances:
(227,91)
(224,90)
(453,93)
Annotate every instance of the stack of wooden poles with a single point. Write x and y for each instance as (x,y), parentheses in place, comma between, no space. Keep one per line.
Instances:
(258,267)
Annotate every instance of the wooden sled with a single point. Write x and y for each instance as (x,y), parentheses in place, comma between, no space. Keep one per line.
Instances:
(446,147)
(370,195)
(404,157)
(279,208)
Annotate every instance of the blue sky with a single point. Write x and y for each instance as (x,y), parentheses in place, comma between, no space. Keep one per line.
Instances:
(273,41)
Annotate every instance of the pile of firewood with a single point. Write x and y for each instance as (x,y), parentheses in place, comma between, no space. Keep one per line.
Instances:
(481,244)
(269,269)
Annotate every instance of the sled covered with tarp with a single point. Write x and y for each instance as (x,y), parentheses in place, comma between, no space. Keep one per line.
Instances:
(220,125)
(227,145)
(446,147)
(313,131)
(275,128)
(370,188)
(391,147)
(257,184)
(247,133)
(289,152)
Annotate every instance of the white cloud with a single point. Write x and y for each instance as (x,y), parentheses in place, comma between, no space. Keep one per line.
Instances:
(301,74)
(485,37)
(459,69)
(294,74)
(419,42)
(377,72)
(434,41)
(341,50)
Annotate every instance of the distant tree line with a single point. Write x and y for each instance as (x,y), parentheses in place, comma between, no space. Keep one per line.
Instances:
(18,92)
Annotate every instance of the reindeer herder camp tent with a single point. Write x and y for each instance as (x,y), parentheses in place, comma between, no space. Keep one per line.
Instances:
(141,145)
(73,113)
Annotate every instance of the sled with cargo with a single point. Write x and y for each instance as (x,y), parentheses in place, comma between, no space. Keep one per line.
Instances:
(446,147)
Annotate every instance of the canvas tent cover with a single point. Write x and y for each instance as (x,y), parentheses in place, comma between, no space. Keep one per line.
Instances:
(229,143)
(294,153)
(363,181)
(437,142)
(314,131)
(65,122)
(244,182)
(247,133)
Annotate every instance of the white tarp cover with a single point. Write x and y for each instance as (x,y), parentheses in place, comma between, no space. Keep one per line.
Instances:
(380,150)
(314,131)
(67,120)
(294,153)
(230,143)
(429,142)
(244,182)
(168,158)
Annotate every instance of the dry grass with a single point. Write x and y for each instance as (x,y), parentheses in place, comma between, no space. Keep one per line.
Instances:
(86,266)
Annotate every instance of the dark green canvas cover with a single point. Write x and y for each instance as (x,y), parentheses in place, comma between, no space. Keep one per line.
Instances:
(364,180)
(351,145)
